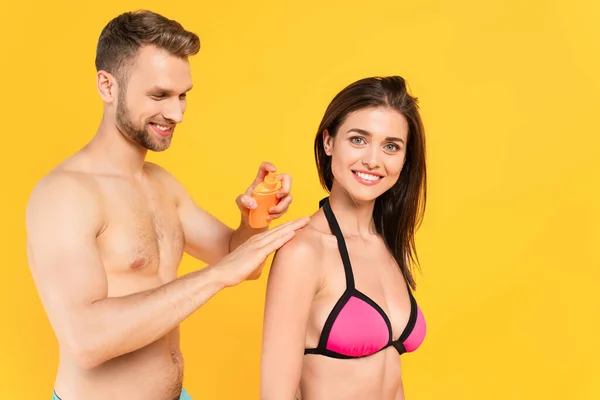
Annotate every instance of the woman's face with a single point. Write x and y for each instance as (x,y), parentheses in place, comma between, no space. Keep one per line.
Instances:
(368,152)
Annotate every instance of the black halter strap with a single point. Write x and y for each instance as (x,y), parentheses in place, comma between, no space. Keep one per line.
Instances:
(335,229)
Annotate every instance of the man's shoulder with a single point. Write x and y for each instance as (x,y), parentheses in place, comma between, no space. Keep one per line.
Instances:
(65,182)
(166,179)
(61,188)
(160,173)
(157,170)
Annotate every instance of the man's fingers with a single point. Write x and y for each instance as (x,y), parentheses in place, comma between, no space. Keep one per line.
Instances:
(282,206)
(247,201)
(276,243)
(267,166)
(270,235)
(286,185)
(263,170)
(272,216)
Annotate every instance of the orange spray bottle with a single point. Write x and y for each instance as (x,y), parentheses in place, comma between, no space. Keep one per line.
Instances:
(265,195)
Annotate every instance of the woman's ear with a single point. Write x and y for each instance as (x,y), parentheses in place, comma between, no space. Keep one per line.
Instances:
(327,142)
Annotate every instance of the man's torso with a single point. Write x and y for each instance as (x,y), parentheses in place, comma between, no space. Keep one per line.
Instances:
(141,245)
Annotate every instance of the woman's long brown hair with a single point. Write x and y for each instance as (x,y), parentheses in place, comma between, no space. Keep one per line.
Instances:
(399,211)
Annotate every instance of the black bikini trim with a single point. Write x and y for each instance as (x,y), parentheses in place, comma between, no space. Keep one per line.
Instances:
(412,320)
(328,353)
(332,317)
(335,312)
(399,346)
(335,229)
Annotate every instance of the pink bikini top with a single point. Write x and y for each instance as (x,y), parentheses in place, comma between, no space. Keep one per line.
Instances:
(357,326)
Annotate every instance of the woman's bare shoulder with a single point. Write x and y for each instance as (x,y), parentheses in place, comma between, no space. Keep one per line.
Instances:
(308,243)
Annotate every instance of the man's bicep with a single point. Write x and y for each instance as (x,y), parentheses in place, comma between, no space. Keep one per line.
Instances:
(206,238)
(62,221)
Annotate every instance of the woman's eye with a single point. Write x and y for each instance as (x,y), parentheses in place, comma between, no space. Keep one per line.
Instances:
(357,140)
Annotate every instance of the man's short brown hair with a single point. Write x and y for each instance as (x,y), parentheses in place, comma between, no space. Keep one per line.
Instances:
(123,36)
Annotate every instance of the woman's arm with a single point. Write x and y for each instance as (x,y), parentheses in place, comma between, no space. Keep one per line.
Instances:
(400,393)
(291,286)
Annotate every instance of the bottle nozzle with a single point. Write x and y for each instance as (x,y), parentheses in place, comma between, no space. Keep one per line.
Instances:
(265,194)
(270,181)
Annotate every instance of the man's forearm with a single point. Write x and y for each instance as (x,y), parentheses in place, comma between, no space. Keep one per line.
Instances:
(114,326)
(241,234)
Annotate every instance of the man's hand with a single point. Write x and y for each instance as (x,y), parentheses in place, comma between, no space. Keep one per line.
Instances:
(246,203)
(249,257)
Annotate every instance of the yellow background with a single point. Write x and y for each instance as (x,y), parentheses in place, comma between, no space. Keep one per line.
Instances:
(509,93)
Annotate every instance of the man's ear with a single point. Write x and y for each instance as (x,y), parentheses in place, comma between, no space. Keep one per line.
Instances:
(107,86)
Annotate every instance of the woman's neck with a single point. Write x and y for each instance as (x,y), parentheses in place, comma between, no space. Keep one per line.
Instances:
(354,217)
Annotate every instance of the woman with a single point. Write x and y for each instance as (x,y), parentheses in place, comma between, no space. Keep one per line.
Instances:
(339,307)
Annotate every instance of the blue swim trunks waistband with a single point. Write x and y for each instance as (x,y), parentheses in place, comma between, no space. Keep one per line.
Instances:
(184,396)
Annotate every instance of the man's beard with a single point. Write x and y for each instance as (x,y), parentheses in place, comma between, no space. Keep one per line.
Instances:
(142,136)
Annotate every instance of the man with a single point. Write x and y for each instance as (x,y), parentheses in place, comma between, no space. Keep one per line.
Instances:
(107,230)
